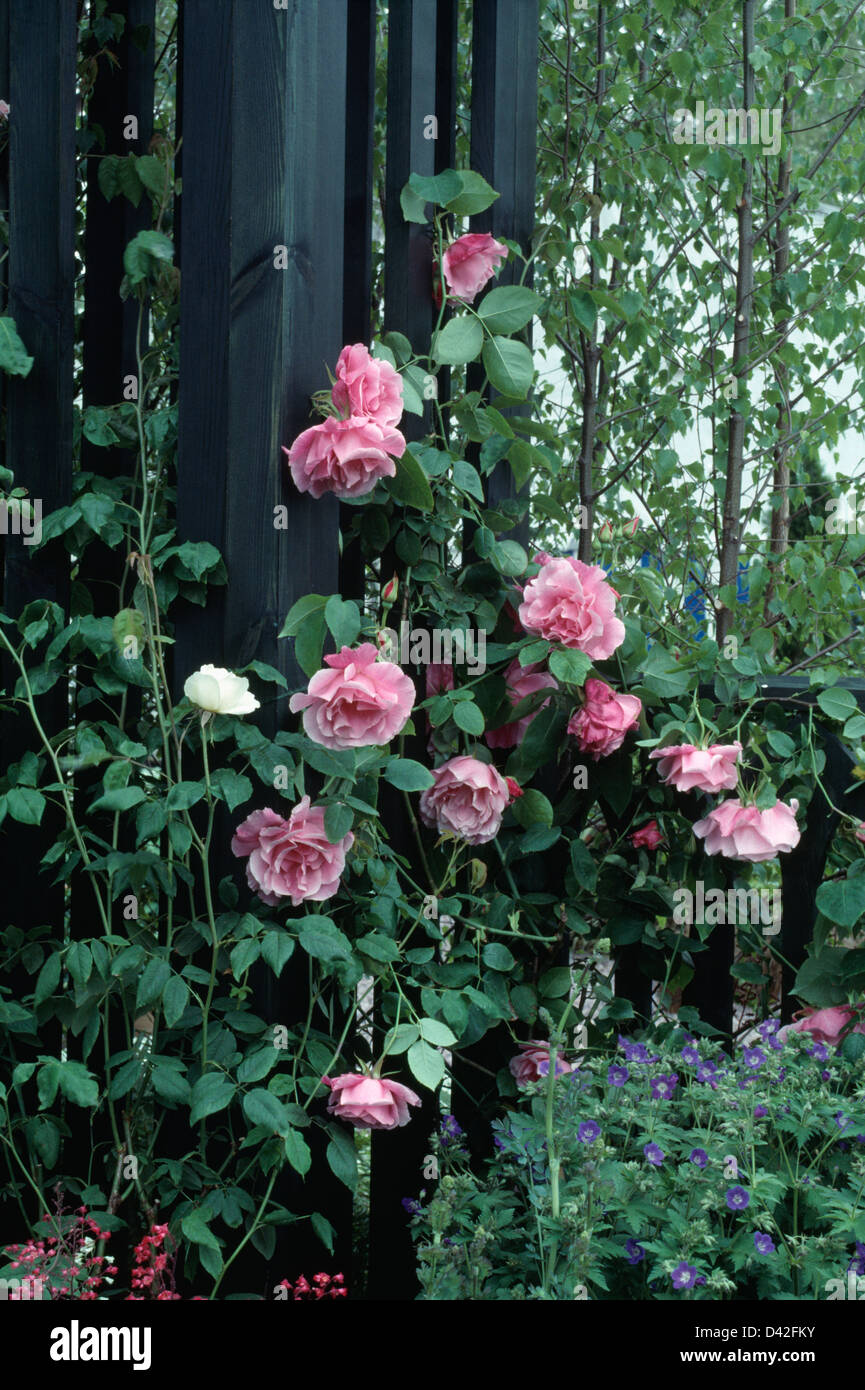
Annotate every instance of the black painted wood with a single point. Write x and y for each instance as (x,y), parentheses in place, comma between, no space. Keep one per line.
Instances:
(415,30)
(38,443)
(263,119)
(504,112)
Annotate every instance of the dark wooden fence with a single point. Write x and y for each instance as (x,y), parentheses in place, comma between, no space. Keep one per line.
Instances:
(276,112)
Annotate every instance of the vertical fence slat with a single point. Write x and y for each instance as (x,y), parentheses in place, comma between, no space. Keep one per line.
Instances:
(261,315)
(504,112)
(41,271)
(415,29)
(503,121)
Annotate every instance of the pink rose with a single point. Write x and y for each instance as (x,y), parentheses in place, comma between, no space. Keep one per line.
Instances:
(603,721)
(520,681)
(572,603)
(290,858)
(648,836)
(346,457)
(743,832)
(367,386)
(532,1062)
(470,262)
(468,800)
(439,677)
(5,108)
(859,832)
(358,702)
(688,768)
(370,1102)
(825,1025)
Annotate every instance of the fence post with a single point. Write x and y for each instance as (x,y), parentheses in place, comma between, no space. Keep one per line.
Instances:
(261,311)
(39,407)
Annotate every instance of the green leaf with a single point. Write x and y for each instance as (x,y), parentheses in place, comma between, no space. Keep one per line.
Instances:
(49,979)
(342,1158)
(420,190)
(432,1030)
(323,1230)
(468,480)
(77,1084)
(843,900)
(338,820)
(426,1064)
(509,308)
(837,703)
(183,795)
(570,667)
(277,948)
(343,619)
(475,194)
(263,1108)
(79,962)
(321,939)
(256,1065)
(585,868)
(468,717)
(196,1229)
(14,359)
(170,1085)
(460,341)
(231,787)
(119,799)
(532,808)
(662,675)
(175,997)
(145,254)
(497,957)
(378,947)
(211,1093)
(401,1038)
(243,955)
(819,980)
(410,485)
(408,775)
(25,805)
(156,975)
(509,366)
(297,1151)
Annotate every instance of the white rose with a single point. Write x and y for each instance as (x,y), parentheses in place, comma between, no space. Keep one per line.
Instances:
(220,691)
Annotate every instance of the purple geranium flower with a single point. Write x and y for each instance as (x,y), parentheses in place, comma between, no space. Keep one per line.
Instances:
(819,1050)
(664,1086)
(767,1028)
(698,1156)
(760,1111)
(409,1205)
(634,1052)
(691,1055)
(616,1075)
(706,1072)
(764,1243)
(588,1132)
(634,1251)
(449,1129)
(684,1276)
(857,1264)
(737,1198)
(753,1056)
(654,1155)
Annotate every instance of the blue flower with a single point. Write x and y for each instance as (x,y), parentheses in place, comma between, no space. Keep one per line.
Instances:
(760,1111)
(617,1075)
(654,1154)
(764,1243)
(819,1050)
(753,1057)
(634,1052)
(684,1276)
(588,1132)
(449,1129)
(409,1205)
(664,1086)
(634,1251)
(699,1157)
(767,1028)
(691,1055)
(737,1198)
